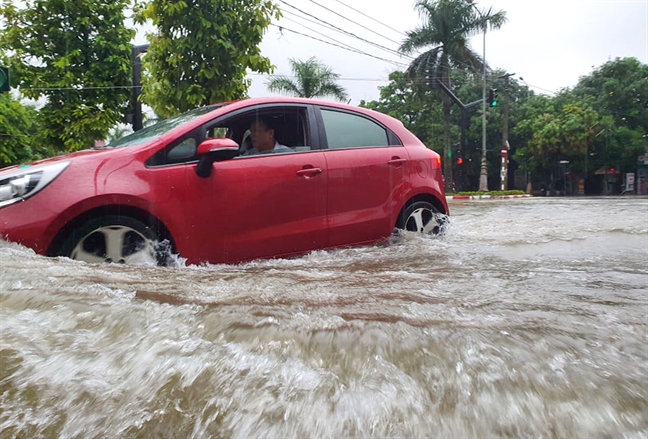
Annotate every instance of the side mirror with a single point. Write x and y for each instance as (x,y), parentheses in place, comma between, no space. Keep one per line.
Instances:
(214,150)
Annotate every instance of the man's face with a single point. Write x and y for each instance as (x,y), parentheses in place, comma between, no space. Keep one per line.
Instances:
(262,136)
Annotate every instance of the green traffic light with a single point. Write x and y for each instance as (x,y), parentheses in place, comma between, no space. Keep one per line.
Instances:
(494,104)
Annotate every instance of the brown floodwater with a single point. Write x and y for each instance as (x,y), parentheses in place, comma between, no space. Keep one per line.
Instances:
(528,319)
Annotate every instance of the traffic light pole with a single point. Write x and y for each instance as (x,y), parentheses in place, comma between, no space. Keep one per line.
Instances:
(456,99)
(483,176)
(505,134)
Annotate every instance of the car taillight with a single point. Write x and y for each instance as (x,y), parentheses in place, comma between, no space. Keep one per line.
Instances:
(436,161)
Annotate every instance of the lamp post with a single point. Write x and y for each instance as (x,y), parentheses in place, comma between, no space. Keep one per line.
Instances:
(483,176)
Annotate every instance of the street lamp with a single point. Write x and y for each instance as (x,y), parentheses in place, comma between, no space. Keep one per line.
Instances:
(483,176)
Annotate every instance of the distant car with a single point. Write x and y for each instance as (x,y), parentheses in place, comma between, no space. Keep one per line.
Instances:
(351,177)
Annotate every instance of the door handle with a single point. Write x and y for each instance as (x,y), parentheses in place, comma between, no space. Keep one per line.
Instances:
(309,172)
(396,161)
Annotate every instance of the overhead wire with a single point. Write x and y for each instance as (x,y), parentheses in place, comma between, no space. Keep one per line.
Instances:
(371,18)
(340,79)
(350,47)
(341,44)
(415,80)
(354,22)
(327,25)
(337,45)
(325,36)
(338,29)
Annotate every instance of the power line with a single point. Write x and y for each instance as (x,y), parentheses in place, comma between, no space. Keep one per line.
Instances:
(356,23)
(338,29)
(539,88)
(338,79)
(108,87)
(281,28)
(325,36)
(371,18)
(327,25)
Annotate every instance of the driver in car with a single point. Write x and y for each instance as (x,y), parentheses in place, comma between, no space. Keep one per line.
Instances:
(262,134)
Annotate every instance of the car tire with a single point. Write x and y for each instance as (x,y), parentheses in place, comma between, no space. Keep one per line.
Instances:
(422,217)
(116,239)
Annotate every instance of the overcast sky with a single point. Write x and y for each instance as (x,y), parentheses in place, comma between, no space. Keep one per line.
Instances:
(550,43)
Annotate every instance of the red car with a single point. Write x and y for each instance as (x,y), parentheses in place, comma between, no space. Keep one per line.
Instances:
(348,177)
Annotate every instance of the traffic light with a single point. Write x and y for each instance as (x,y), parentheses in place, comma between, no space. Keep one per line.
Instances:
(4,79)
(492,97)
(460,161)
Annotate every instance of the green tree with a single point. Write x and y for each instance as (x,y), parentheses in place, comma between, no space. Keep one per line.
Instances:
(618,91)
(18,125)
(600,124)
(312,79)
(447,25)
(75,54)
(565,134)
(618,88)
(201,51)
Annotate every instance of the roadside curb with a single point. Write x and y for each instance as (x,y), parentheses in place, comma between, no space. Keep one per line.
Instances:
(484,197)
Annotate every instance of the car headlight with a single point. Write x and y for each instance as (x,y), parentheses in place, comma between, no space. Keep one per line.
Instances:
(26,182)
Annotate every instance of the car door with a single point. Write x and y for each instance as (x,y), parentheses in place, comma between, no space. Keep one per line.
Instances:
(260,206)
(366,174)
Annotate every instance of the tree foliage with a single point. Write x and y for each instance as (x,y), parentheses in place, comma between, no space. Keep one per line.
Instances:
(201,50)
(312,79)
(565,133)
(600,124)
(75,56)
(618,88)
(18,125)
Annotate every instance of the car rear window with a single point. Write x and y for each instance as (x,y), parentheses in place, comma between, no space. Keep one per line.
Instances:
(346,130)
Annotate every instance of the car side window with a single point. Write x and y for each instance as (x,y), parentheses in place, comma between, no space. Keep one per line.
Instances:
(289,124)
(345,130)
(182,150)
(185,150)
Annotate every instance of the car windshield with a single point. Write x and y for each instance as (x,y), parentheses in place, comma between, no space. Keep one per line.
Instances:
(153,131)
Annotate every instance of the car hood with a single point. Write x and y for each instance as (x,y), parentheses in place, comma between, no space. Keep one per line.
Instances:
(74,157)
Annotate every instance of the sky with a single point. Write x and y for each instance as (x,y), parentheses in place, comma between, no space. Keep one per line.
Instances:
(548,43)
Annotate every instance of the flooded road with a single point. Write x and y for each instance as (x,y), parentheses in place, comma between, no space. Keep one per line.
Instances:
(528,319)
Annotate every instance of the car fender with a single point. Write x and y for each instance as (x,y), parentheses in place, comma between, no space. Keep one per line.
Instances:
(436,197)
(103,205)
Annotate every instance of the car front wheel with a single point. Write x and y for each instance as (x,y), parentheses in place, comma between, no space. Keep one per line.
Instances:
(112,238)
(422,217)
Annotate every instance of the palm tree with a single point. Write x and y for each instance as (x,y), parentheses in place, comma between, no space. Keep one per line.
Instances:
(447,25)
(312,79)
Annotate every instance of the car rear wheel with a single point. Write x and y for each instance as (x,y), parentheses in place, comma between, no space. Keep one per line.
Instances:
(422,217)
(114,239)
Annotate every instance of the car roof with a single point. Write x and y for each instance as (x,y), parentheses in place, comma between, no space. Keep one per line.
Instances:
(227,107)
(242,103)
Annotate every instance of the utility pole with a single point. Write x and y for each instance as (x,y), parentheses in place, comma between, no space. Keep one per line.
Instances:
(505,134)
(483,176)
